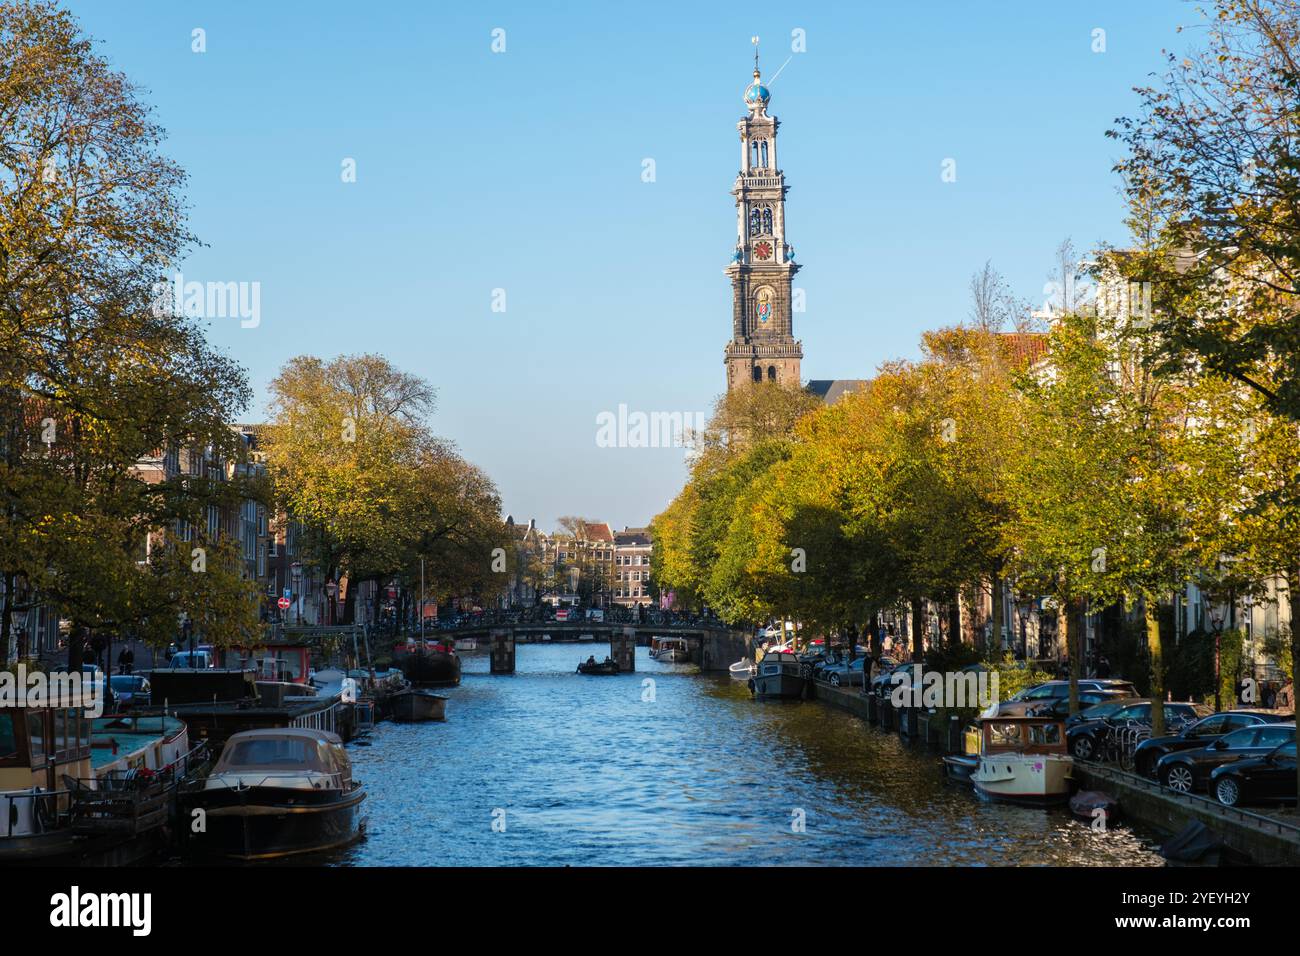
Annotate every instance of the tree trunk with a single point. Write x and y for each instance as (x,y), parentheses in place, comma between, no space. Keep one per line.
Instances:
(1151,611)
(76,644)
(999,622)
(877,650)
(954,619)
(1293,599)
(6,617)
(1072,621)
(918,637)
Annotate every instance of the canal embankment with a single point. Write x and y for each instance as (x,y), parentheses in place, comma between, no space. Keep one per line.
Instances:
(1259,837)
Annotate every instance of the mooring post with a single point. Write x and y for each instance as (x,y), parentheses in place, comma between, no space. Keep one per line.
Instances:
(622,647)
(503,651)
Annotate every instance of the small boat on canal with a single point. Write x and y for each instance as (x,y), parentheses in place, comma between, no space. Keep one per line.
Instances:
(428,663)
(1014,759)
(276,793)
(594,668)
(780,676)
(416,704)
(669,650)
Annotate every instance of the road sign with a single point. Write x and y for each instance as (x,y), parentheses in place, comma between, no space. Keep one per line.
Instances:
(288,593)
(283,603)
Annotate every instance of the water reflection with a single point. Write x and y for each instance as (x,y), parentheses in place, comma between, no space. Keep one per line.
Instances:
(587,772)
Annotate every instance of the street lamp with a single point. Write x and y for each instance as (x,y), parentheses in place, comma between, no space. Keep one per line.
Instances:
(1216,619)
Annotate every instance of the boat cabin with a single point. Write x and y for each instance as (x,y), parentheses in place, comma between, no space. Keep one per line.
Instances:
(38,746)
(282,661)
(1024,735)
(289,756)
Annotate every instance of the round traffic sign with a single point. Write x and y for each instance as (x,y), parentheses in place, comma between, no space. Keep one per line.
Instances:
(283,603)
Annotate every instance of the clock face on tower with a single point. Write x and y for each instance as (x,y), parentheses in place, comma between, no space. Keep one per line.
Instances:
(763,250)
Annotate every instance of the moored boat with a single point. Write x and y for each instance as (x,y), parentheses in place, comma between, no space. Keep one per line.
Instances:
(416,704)
(1019,760)
(276,793)
(779,675)
(82,790)
(431,664)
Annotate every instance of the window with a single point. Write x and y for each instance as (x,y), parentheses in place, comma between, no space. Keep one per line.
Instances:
(762,152)
(771,373)
(1274,736)
(767,221)
(8,738)
(758,374)
(36,732)
(755,222)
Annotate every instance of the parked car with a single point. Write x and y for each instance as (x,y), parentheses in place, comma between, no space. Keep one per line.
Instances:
(1267,779)
(1019,705)
(130,690)
(1200,734)
(183,660)
(1060,706)
(1086,738)
(1187,771)
(882,685)
(841,672)
(1101,710)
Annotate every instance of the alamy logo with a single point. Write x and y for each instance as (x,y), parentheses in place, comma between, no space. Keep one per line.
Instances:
(22,688)
(626,429)
(209,300)
(75,909)
(915,687)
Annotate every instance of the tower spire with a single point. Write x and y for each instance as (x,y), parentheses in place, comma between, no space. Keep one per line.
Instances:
(762,347)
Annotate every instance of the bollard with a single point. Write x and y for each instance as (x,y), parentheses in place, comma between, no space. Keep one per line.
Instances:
(503,652)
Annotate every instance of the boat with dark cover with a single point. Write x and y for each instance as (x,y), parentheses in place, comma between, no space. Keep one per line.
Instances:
(276,793)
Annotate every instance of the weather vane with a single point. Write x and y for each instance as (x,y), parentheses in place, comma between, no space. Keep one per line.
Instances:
(754,40)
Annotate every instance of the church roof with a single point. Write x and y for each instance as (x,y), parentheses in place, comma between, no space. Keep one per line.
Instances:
(831,390)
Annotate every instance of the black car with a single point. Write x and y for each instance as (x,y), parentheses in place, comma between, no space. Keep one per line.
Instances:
(1101,709)
(1267,779)
(1187,771)
(129,690)
(1042,694)
(1087,737)
(1060,706)
(1200,734)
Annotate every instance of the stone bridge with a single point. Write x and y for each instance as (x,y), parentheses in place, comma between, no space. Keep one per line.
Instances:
(712,648)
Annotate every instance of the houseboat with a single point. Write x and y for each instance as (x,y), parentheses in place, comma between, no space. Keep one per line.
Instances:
(1015,759)
(81,790)
(428,663)
(779,675)
(276,793)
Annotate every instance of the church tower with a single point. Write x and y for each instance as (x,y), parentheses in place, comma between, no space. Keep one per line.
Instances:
(762,346)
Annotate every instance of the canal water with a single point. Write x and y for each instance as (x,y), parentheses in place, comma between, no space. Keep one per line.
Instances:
(547,767)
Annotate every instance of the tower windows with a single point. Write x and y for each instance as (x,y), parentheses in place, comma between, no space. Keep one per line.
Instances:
(758,373)
(767,221)
(755,222)
(763,154)
(771,373)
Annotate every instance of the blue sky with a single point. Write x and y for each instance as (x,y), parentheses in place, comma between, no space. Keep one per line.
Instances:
(522,170)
